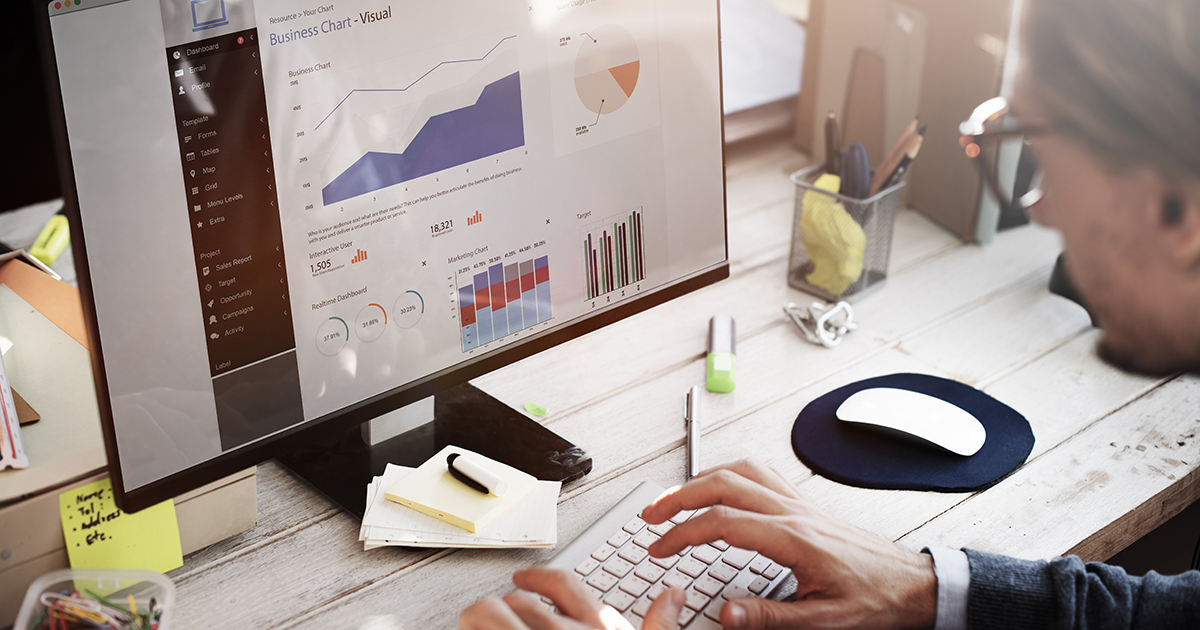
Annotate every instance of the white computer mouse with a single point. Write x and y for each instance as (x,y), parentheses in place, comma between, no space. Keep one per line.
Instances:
(924,417)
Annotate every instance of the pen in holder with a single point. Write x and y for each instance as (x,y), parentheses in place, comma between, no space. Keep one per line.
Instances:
(840,245)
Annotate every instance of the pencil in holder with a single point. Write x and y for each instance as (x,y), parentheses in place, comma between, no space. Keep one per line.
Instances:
(840,245)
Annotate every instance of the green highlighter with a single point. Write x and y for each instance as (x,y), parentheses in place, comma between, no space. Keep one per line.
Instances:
(721,364)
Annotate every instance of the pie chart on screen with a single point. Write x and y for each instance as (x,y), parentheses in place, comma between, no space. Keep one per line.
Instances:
(607,68)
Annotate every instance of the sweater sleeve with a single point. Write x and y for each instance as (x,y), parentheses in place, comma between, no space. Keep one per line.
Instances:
(1066,594)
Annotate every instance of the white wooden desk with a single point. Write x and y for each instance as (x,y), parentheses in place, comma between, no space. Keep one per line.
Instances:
(1116,455)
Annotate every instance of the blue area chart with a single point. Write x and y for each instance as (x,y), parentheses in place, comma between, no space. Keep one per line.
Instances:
(492,125)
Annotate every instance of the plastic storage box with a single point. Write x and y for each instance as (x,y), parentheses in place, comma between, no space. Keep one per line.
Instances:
(115,585)
(844,248)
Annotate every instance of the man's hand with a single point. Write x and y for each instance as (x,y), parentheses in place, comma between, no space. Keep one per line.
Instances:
(846,578)
(579,611)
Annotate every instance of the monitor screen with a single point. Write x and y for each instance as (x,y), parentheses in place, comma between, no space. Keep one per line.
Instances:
(289,213)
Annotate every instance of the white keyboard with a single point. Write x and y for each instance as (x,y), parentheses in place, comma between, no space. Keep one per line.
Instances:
(610,557)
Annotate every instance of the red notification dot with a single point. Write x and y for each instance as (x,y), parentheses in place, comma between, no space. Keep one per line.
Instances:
(241,40)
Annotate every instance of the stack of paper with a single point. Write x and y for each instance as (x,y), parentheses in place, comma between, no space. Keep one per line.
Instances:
(532,522)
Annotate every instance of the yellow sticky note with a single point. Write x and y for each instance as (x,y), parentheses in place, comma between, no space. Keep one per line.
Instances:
(100,536)
(431,490)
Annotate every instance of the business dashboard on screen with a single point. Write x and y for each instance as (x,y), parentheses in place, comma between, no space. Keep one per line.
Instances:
(331,200)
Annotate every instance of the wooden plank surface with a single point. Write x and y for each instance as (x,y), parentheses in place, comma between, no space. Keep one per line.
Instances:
(1115,454)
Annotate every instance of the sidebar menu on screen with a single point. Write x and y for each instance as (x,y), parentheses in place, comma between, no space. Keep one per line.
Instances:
(233,208)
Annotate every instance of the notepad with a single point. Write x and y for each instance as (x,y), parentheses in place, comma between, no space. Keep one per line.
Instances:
(430,489)
(533,522)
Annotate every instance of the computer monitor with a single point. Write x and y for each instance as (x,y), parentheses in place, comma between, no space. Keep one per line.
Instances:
(291,217)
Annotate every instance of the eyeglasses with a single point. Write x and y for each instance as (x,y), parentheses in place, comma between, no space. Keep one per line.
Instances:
(990,126)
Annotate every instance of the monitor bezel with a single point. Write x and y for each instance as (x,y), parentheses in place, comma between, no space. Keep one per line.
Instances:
(336,422)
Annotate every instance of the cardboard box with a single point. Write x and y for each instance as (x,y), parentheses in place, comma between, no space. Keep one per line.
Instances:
(49,363)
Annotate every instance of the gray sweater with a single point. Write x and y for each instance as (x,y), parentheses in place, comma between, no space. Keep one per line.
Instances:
(1065,593)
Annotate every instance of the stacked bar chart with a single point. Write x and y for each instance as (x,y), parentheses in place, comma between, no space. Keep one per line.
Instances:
(504,299)
(614,254)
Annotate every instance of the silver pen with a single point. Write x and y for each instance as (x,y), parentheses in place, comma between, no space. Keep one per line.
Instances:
(691,420)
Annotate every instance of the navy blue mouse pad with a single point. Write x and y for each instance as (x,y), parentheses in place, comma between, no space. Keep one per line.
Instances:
(868,457)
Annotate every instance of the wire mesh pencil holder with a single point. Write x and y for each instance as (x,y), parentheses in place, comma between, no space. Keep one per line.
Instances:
(840,245)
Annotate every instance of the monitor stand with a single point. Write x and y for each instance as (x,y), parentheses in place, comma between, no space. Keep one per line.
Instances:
(464,416)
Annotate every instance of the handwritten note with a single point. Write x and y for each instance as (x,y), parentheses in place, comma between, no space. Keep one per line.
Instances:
(100,535)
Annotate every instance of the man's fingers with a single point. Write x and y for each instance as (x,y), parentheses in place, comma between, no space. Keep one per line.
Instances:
(772,536)
(532,612)
(719,487)
(567,592)
(664,612)
(752,613)
(490,613)
(760,473)
(537,617)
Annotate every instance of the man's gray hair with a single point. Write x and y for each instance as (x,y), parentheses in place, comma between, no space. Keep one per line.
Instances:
(1124,77)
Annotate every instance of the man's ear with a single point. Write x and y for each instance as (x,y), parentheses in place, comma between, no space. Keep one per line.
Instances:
(1181,225)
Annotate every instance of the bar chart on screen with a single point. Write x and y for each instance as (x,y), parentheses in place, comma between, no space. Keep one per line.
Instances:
(502,299)
(614,254)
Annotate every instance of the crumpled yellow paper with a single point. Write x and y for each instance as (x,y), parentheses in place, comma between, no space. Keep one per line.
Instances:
(833,239)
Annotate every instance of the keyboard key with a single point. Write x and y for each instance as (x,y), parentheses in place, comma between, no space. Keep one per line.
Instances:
(618,567)
(697,600)
(655,591)
(604,552)
(547,600)
(706,554)
(642,606)
(603,581)
(619,539)
(772,571)
(759,585)
(758,564)
(675,579)
(634,526)
(586,567)
(650,572)
(709,586)
(596,593)
(685,551)
(738,558)
(665,563)
(692,567)
(734,591)
(720,544)
(645,539)
(634,554)
(633,618)
(620,600)
(685,616)
(713,611)
(635,586)
(682,516)
(723,572)
(661,528)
